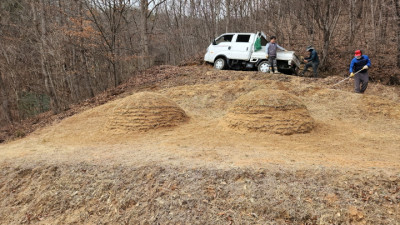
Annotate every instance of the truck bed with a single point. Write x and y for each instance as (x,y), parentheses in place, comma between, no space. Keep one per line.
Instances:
(281,55)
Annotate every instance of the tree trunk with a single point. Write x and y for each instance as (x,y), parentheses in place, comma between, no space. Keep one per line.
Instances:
(326,15)
(114,28)
(352,22)
(325,49)
(48,81)
(4,102)
(397,6)
(144,8)
(228,15)
(88,84)
(373,22)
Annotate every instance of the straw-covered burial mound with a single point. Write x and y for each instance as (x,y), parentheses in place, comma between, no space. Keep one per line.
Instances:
(272,111)
(145,111)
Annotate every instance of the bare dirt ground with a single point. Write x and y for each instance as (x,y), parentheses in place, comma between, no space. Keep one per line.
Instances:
(345,171)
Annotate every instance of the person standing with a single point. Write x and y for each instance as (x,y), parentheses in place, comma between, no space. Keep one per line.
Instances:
(360,63)
(311,61)
(271,49)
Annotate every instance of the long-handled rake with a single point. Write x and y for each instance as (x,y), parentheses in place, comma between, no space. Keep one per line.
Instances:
(346,78)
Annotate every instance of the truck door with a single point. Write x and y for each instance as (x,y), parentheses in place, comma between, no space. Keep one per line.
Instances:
(221,45)
(242,47)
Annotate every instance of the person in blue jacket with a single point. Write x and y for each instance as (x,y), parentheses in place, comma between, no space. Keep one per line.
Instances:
(312,61)
(360,63)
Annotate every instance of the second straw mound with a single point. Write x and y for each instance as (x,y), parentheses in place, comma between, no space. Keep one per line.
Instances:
(145,111)
(272,111)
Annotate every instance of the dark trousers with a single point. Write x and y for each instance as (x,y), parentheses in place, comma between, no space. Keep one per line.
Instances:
(361,82)
(314,65)
(272,63)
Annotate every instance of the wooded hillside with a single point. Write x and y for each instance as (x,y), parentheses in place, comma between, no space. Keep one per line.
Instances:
(54,53)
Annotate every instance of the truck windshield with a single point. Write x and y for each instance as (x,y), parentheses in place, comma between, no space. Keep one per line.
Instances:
(225,38)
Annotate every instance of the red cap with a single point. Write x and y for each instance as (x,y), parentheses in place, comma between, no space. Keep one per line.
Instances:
(357,53)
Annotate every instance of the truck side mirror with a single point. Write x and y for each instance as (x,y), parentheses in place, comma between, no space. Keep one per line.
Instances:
(214,42)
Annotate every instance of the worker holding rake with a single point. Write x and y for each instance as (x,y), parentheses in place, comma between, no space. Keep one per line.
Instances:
(360,64)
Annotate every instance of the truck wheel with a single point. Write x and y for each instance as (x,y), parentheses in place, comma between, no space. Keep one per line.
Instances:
(295,70)
(220,64)
(263,67)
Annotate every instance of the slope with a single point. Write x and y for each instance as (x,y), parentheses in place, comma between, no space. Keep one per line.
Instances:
(353,134)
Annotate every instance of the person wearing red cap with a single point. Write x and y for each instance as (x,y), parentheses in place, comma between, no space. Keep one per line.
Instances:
(360,63)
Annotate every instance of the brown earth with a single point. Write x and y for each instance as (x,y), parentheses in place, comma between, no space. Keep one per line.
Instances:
(346,170)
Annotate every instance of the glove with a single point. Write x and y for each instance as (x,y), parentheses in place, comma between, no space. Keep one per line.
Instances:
(286,50)
(365,67)
(266,56)
(352,75)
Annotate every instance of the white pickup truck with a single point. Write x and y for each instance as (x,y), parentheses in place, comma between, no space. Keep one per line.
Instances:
(237,51)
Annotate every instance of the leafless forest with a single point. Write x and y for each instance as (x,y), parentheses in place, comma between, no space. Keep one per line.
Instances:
(54,53)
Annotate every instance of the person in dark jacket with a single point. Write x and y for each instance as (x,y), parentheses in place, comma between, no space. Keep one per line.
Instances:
(360,63)
(271,49)
(312,61)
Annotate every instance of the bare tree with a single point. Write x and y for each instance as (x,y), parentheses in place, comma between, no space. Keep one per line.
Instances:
(107,15)
(40,21)
(397,7)
(228,15)
(147,7)
(5,109)
(355,14)
(326,15)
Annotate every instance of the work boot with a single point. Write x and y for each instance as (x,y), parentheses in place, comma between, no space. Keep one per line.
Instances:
(271,71)
(276,72)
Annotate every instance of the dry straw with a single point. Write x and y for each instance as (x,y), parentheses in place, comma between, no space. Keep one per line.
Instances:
(145,111)
(272,111)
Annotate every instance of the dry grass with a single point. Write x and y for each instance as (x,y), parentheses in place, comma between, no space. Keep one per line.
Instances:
(273,111)
(88,194)
(377,106)
(346,170)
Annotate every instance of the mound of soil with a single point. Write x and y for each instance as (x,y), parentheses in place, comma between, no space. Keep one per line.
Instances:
(273,111)
(144,111)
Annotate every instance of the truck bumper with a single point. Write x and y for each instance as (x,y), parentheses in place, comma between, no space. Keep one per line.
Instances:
(209,57)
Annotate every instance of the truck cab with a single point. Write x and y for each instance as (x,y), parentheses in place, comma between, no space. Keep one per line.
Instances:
(238,51)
